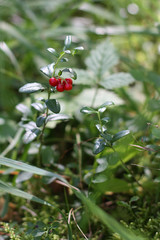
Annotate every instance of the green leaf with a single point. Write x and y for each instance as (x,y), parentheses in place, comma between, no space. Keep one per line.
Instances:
(53,51)
(29,126)
(100,128)
(134,199)
(40,120)
(72,73)
(7,188)
(30,135)
(102,58)
(119,135)
(28,168)
(48,70)
(117,80)
(38,106)
(68,41)
(103,164)
(104,106)
(23,176)
(64,60)
(87,110)
(80,48)
(53,105)
(101,178)
(106,119)
(31,88)
(107,137)
(112,184)
(99,146)
(56,117)
(108,220)
(23,109)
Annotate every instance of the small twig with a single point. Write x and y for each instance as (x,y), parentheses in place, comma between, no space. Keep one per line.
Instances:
(72,213)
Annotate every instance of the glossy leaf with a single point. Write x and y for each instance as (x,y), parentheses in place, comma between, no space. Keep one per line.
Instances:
(80,48)
(99,146)
(29,126)
(56,117)
(87,110)
(101,129)
(119,135)
(107,137)
(106,119)
(64,60)
(48,70)
(68,41)
(53,51)
(104,106)
(102,165)
(31,88)
(23,109)
(72,73)
(53,105)
(30,135)
(40,120)
(38,106)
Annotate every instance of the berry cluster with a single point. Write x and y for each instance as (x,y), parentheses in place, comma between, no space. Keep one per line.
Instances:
(61,84)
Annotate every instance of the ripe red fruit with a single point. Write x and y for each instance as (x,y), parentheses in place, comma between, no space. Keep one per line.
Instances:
(60,87)
(67,86)
(69,80)
(53,82)
(59,80)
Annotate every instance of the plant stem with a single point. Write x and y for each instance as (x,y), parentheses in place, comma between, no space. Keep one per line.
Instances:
(42,133)
(100,122)
(78,139)
(47,110)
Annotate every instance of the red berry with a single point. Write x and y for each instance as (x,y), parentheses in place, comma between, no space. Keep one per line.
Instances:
(60,87)
(67,86)
(53,82)
(59,80)
(69,80)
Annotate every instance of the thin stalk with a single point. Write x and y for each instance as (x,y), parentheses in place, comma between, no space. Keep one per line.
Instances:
(100,122)
(78,139)
(47,110)
(94,96)
(42,134)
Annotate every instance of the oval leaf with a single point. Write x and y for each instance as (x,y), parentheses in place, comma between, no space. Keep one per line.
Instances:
(87,110)
(48,70)
(68,41)
(119,135)
(56,117)
(53,105)
(53,51)
(99,146)
(38,106)
(71,72)
(104,106)
(40,120)
(31,87)
(29,136)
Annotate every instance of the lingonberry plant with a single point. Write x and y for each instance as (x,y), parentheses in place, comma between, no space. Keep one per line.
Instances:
(48,109)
